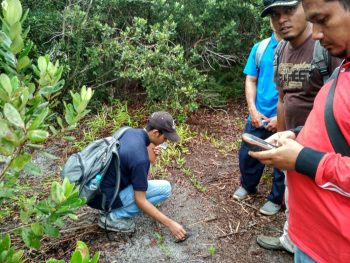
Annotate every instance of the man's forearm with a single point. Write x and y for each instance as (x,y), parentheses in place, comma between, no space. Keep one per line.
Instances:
(149,209)
(250,92)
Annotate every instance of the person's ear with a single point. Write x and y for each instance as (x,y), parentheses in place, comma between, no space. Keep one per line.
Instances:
(156,132)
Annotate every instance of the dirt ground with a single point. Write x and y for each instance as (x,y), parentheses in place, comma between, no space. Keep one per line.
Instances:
(222,229)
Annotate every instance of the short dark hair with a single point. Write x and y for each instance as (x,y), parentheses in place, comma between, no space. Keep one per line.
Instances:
(344,3)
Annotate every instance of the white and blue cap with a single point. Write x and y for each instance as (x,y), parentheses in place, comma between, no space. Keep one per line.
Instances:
(163,122)
(269,4)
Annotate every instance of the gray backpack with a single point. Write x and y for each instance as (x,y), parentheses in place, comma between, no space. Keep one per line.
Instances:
(82,167)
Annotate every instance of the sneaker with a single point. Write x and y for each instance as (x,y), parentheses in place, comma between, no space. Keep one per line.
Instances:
(124,225)
(272,243)
(270,208)
(240,194)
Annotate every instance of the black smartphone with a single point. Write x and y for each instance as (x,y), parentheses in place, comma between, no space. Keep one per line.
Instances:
(256,144)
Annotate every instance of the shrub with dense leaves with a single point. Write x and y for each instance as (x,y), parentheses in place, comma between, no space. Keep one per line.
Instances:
(28,93)
(204,38)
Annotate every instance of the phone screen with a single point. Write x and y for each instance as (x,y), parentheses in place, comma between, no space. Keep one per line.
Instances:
(255,143)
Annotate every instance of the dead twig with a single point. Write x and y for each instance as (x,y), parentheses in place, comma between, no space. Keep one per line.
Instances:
(204,221)
(69,230)
(239,222)
(244,203)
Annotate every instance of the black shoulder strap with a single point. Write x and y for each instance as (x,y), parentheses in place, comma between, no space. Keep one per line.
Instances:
(320,60)
(335,135)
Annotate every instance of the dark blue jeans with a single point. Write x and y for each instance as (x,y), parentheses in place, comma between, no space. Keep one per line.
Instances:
(252,169)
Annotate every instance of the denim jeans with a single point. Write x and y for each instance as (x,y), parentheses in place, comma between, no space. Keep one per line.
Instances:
(301,257)
(157,191)
(252,169)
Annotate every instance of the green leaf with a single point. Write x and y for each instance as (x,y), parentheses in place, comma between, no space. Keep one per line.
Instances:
(3,95)
(52,260)
(20,161)
(17,256)
(5,83)
(4,129)
(68,187)
(6,148)
(24,16)
(53,130)
(17,44)
(60,122)
(35,146)
(76,257)
(16,29)
(13,116)
(5,243)
(49,155)
(95,258)
(26,50)
(37,229)
(24,97)
(29,238)
(73,217)
(39,119)
(43,208)
(14,83)
(84,251)
(25,216)
(42,64)
(36,136)
(12,11)
(6,192)
(33,169)
(69,138)
(48,90)
(51,230)
(23,63)
(5,40)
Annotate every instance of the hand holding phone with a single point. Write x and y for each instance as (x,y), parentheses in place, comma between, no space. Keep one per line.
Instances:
(256,144)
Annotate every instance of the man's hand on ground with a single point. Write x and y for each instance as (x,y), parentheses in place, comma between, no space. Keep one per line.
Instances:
(177,230)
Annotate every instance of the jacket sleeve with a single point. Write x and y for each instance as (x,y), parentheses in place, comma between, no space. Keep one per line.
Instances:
(331,171)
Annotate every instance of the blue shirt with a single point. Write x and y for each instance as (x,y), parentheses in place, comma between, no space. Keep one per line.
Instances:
(266,92)
(134,167)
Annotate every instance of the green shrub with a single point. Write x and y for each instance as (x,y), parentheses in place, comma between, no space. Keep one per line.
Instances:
(94,40)
(28,93)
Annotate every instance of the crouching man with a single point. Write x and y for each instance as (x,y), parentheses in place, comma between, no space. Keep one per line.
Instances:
(136,191)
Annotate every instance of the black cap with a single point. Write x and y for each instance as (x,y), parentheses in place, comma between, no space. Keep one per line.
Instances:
(268,4)
(163,122)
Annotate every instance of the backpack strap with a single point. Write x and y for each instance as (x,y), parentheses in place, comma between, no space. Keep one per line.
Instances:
(117,135)
(120,132)
(335,135)
(260,51)
(276,60)
(320,60)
